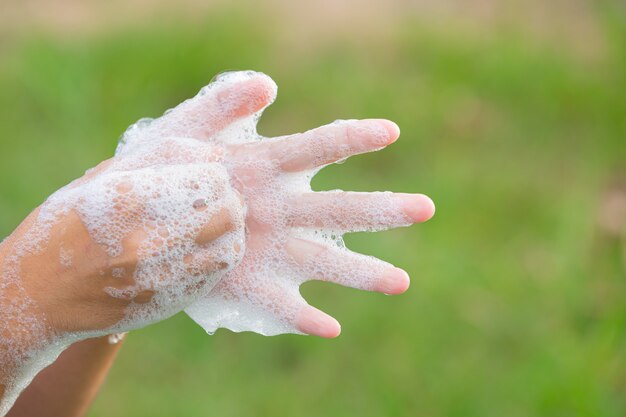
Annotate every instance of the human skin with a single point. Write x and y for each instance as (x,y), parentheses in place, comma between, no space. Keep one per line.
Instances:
(71,300)
(68,386)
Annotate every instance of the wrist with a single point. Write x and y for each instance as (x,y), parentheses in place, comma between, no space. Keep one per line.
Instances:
(27,342)
(19,306)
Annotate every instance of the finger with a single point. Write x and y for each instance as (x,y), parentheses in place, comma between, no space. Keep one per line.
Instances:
(315,322)
(231,97)
(341,266)
(352,211)
(283,301)
(285,313)
(219,224)
(327,144)
(260,299)
(277,296)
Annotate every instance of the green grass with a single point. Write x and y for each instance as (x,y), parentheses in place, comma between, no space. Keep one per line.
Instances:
(518,300)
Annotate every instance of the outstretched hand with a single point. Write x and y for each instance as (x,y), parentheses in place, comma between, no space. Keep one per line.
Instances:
(196,212)
(292,233)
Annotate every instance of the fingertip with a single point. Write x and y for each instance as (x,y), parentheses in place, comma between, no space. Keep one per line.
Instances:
(428,208)
(380,132)
(246,96)
(393,130)
(264,81)
(317,323)
(395,281)
(418,207)
(263,91)
(333,332)
(269,84)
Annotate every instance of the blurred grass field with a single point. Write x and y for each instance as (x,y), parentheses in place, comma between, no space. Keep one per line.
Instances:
(518,297)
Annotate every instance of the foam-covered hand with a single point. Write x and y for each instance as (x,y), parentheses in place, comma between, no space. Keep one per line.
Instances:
(198,212)
(292,233)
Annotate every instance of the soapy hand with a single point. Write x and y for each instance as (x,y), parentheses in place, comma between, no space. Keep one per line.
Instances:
(292,233)
(197,212)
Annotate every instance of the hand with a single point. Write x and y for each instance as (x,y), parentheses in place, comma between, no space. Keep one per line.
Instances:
(196,210)
(292,233)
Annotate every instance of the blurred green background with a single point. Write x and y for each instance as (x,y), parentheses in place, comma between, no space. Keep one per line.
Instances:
(513,118)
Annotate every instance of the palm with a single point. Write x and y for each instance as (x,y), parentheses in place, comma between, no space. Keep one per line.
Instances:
(293,234)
